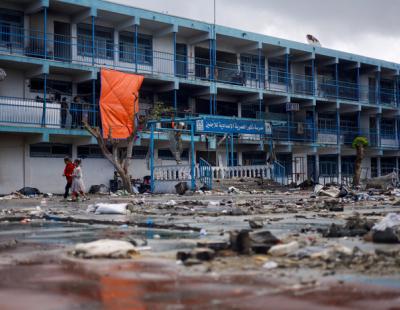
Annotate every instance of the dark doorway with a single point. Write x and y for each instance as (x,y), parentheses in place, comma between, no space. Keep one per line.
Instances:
(62,41)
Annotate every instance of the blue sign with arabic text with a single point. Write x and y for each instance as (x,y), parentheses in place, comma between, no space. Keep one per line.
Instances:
(233,126)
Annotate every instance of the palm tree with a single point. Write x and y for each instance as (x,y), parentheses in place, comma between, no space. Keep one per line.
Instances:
(359,143)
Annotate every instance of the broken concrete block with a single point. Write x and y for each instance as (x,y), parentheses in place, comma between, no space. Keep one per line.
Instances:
(105,248)
(284,249)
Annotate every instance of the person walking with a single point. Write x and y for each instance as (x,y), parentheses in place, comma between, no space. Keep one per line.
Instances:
(68,171)
(78,187)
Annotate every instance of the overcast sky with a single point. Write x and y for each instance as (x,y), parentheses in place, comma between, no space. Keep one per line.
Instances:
(366,27)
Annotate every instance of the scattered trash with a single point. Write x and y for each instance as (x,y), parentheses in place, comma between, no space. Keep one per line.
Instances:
(108,208)
(170,203)
(105,248)
(29,191)
(387,230)
(382,182)
(99,189)
(233,190)
(284,249)
(256,223)
(212,203)
(203,232)
(270,265)
(181,188)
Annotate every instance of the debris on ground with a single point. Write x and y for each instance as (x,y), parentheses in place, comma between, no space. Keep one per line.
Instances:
(105,248)
(99,189)
(181,188)
(382,182)
(29,191)
(387,230)
(355,226)
(108,208)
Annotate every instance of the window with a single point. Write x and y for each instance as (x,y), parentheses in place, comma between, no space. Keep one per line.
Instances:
(328,166)
(53,86)
(277,72)
(167,154)
(11,28)
(127,48)
(139,152)
(50,150)
(89,151)
(388,129)
(103,41)
(326,124)
(249,65)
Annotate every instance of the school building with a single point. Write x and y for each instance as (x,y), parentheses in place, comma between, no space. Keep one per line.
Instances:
(315,100)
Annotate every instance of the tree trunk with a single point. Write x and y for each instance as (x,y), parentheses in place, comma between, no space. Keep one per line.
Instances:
(357,165)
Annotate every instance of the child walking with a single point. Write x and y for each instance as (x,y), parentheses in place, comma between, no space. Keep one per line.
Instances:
(78,188)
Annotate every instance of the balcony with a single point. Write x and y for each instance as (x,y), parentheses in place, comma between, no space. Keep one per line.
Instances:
(124,56)
(19,112)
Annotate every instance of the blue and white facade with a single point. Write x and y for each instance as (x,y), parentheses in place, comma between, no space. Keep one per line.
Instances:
(315,99)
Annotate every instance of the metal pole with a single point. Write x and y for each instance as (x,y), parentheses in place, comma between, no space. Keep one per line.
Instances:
(93,40)
(45,32)
(313,76)
(192,162)
(136,47)
(152,158)
(227,150)
(337,79)
(44,100)
(358,84)
(174,39)
(175,101)
(378,88)
(232,150)
(259,68)
(338,126)
(94,115)
(287,71)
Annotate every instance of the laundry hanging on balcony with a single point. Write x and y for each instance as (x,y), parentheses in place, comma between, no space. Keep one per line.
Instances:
(119,102)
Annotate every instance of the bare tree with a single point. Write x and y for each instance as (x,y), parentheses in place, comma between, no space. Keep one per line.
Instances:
(121,149)
(359,144)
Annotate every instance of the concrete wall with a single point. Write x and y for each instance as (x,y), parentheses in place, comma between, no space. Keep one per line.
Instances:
(11,162)
(13,85)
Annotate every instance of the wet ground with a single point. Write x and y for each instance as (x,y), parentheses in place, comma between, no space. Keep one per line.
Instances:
(37,271)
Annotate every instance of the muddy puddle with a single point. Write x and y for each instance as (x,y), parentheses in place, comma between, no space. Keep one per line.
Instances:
(62,233)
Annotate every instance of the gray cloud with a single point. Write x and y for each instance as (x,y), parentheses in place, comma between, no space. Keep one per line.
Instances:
(366,27)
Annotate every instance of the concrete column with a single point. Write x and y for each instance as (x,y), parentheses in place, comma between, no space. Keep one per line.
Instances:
(317,167)
(116,47)
(74,41)
(27,165)
(378,129)
(239,109)
(240,158)
(378,166)
(339,168)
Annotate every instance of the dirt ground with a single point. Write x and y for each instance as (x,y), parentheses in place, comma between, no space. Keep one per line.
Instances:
(38,271)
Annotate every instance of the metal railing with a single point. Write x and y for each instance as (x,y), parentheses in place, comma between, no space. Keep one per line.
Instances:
(125,56)
(49,113)
(205,173)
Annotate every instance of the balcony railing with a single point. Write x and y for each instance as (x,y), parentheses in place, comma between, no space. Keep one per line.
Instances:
(19,112)
(124,56)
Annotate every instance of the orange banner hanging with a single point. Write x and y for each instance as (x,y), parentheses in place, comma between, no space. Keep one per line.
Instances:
(119,102)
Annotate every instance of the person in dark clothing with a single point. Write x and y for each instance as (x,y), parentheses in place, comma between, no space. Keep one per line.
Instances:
(64,112)
(68,171)
(76,112)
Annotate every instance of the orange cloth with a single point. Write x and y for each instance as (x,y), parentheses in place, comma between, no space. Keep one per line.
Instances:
(119,102)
